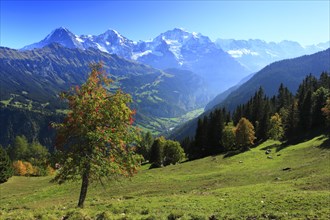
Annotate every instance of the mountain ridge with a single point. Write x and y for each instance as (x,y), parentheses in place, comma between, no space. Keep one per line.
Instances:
(172,49)
(255,54)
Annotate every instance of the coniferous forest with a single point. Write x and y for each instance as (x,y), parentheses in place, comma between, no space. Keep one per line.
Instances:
(285,117)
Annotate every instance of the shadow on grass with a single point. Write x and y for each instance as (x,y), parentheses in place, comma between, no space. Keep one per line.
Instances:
(270,147)
(304,138)
(325,144)
(234,152)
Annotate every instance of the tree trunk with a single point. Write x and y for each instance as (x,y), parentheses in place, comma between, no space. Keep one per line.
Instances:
(84,187)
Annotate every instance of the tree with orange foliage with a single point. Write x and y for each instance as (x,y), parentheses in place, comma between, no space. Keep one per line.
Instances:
(19,168)
(30,170)
(97,136)
(245,134)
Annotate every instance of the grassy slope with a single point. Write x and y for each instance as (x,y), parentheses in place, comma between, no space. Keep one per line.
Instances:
(255,188)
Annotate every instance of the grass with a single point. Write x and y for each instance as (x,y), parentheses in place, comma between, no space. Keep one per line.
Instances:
(244,186)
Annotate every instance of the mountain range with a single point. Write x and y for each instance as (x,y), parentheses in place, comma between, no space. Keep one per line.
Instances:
(168,76)
(33,79)
(221,64)
(172,49)
(255,54)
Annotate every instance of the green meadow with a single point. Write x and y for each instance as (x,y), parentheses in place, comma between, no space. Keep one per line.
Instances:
(291,182)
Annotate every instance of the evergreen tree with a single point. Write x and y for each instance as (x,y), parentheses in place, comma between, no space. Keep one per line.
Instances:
(188,146)
(326,111)
(291,125)
(319,100)
(263,126)
(284,97)
(214,131)
(201,138)
(145,145)
(6,170)
(157,152)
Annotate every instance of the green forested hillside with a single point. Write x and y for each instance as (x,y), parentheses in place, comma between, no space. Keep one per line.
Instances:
(290,72)
(32,80)
(292,182)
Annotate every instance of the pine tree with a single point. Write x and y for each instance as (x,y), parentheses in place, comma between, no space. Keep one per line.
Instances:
(157,152)
(145,145)
(201,140)
(6,170)
(319,98)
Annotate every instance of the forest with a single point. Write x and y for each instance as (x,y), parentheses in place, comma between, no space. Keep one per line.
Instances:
(284,117)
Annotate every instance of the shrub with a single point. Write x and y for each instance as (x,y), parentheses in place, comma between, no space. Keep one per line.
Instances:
(173,152)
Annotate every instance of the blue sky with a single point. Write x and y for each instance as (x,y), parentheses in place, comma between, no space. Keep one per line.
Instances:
(26,22)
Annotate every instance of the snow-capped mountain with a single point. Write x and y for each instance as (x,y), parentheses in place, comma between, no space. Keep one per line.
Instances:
(110,42)
(60,35)
(178,48)
(256,54)
(173,49)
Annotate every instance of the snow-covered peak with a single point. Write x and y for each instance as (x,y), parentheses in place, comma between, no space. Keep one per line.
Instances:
(179,35)
(59,33)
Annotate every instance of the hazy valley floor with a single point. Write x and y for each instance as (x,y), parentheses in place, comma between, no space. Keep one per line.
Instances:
(244,186)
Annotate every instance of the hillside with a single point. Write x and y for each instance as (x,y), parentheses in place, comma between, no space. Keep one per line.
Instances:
(245,186)
(31,80)
(290,72)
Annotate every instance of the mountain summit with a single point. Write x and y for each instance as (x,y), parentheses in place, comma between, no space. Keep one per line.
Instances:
(175,48)
(61,36)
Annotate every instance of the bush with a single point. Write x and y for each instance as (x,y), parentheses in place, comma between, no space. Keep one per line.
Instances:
(6,170)
(173,152)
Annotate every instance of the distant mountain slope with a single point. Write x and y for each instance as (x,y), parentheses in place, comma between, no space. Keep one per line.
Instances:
(290,72)
(222,96)
(31,80)
(256,54)
(173,49)
(40,74)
